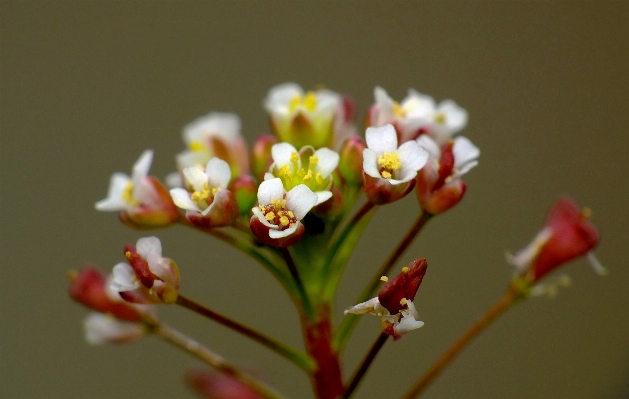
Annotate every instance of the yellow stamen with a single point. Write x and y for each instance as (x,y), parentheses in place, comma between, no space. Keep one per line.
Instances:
(314,160)
(284,221)
(398,111)
(319,178)
(586,213)
(278,204)
(127,254)
(290,214)
(405,269)
(386,174)
(403,301)
(307,177)
(310,101)
(384,278)
(294,157)
(440,118)
(390,161)
(270,216)
(195,146)
(127,195)
(204,195)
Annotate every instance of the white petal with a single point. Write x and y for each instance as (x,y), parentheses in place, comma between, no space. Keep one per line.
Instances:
(281,153)
(123,278)
(258,213)
(100,328)
(328,161)
(456,117)
(327,101)
(283,233)
(430,146)
(182,199)
(279,97)
(149,246)
(218,173)
(142,166)
(300,200)
(186,159)
(196,177)
(596,265)
(174,180)
(382,98)
(406,324)
(525,256)
(225,125)
(269,190)
(114,201)
(371,306)
(323,196)
(381,139)
(418,106)
(464,151)
(370,163)
(412,156)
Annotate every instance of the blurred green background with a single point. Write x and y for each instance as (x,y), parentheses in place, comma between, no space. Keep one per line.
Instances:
(87,86)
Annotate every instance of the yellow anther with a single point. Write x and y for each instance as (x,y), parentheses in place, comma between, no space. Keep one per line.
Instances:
(290,214)
(301,173)
(397,110)
(405,269)
(308,176)
(310,101)
(314,160)
(285,171)
(403,301)
(294,157)
(384,278)
(72,275)
(385,174)
(278,204)
(586,213)
(292,224)
(294,102)
(127,254)
(319,178)
(440,118)
(205,194)
(390,161)
(270,216)
(284,221)
(195,146)
(127,195)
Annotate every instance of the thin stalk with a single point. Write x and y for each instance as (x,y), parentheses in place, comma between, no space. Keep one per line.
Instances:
(364,365)
(251,250)
(290,263)
(349,322)
(342,248)
(201,352)
(300,359)
(509,299)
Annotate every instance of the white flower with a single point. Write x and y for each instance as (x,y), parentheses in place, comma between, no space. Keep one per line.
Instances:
(100,328)
(403,322)
(305,118)
(295,168)
(465,153)
(128,193)
(447,120)
(206,185)
(214,135)
(382,159)
(280,211)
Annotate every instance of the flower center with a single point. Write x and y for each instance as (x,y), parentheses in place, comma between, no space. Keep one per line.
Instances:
(389,163)
(398,110)
(293,174)
(205,197)
(127,195)
(277,214)
(309,102)
(195,146)
(440,118)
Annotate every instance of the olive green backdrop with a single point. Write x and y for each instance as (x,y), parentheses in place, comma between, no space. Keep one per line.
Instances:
(86,86)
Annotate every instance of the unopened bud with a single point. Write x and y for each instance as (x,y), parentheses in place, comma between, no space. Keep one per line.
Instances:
(261,155)
(351,162)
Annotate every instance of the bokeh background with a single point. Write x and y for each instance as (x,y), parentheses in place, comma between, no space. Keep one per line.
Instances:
(87,86)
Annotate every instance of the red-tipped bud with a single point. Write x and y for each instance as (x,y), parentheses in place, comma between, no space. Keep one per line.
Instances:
(381,191)
(218,386)
(224,212)
(245,188)
(351,162)
(403,287)
(261,231)
(261,155)
(88,287)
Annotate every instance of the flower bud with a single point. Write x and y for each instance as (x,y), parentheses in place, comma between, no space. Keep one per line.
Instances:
(101,329)
(244,188)
(351,162)
(89,287)
(261,155)
(213,385)
(567,235)
(403,286)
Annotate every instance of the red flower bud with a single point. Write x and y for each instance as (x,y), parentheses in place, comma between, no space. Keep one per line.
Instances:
(403,286)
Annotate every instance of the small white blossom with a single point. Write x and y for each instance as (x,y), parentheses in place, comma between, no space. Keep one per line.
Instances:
(465,153)
(403,322)
(128,193)
(101,328)
(206,186)
(382,159)
(315,172)
(280,211)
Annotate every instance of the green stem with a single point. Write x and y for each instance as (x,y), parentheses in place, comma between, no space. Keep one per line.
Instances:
(213,359)
(300,359)
(290,263)
(251,250)
(512,296)
(364,365)
(350,321)
(343,247)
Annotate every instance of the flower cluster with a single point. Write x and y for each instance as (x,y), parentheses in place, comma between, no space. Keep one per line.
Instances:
(289,203)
